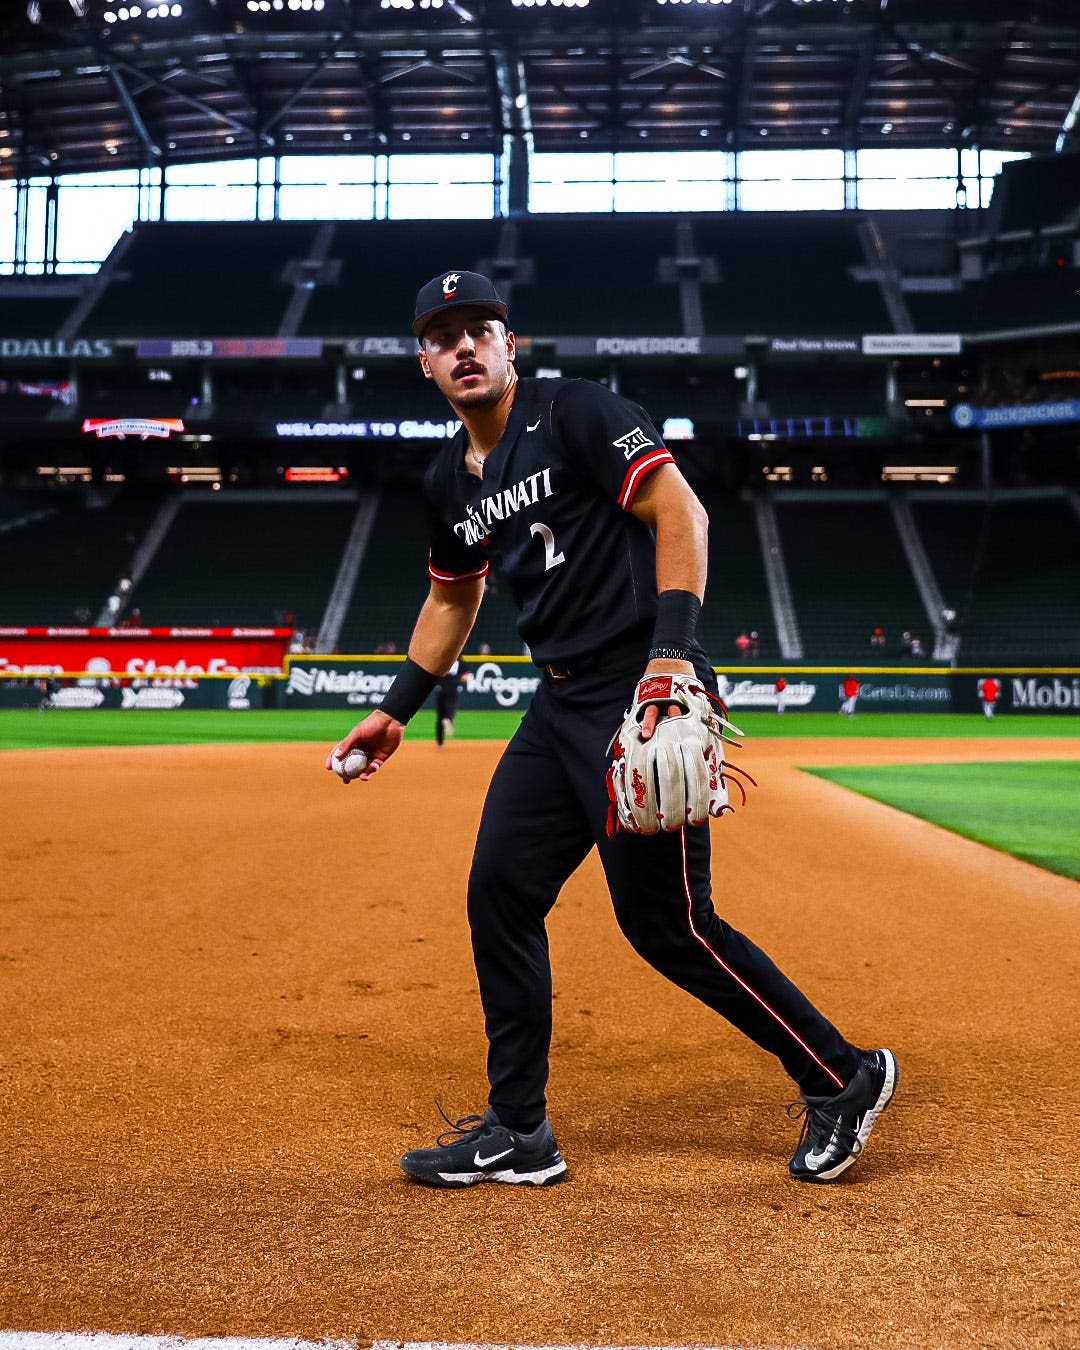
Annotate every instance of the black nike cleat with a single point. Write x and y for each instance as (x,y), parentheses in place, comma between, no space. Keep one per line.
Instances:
(478,1148)
(835,1129)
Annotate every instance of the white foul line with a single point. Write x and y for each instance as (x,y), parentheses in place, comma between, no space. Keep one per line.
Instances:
(106,1340)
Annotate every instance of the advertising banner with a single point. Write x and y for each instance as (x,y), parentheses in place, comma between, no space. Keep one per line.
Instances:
(810,690)
(241,693)
(1023,691)
(965,415)
(142,652)
(158,349)
(337,682)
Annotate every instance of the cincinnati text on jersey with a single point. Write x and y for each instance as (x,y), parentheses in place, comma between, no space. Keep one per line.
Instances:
(501,505)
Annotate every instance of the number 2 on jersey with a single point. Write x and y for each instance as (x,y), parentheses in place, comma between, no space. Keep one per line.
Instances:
(551,558)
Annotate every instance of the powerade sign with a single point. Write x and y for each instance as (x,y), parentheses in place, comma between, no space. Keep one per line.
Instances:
(965,415)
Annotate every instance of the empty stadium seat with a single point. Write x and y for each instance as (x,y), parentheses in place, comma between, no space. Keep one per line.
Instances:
(236,561)
(60,566)
(201,279)
(848,574)
(787,275)
(383,263)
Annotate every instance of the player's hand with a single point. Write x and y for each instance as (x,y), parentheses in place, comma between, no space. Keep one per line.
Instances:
(655,713)
(378,736)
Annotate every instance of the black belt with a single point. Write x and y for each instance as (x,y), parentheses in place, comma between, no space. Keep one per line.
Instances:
(614,653)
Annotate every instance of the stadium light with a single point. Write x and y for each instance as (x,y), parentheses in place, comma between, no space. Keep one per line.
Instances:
(157,9)
(555,4)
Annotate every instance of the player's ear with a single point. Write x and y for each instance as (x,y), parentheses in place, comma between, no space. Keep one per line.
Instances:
(424,363)
(511,344)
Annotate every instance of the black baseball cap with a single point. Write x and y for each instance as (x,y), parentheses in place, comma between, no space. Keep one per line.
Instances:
(456,288)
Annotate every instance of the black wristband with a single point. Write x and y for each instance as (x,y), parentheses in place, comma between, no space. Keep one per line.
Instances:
(409,692)
(676,622)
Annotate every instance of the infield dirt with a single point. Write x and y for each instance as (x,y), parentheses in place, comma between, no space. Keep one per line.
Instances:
(231,990)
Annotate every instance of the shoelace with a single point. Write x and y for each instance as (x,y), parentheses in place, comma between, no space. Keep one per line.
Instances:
(459,1129)
(820,1124)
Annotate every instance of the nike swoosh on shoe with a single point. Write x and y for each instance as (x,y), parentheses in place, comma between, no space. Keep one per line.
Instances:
(486,1162)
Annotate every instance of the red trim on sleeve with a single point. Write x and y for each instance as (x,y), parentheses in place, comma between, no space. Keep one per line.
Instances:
(637,472)
(450,578)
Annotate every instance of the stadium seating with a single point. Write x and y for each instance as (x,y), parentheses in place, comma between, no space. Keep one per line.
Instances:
(37,316)
(848,574)
(1033,193)
(595,274)
(246,561)
(786,276)
(737,595)
(1015,569)
(393,579)
(61,566)
(383,264)
(201,279)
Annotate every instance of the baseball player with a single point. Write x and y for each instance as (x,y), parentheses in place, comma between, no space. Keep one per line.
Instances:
(989,689)
(781,694)
(850,691)
(446,701)
(569,489)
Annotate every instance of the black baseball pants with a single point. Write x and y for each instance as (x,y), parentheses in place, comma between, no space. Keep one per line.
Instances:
(546,807)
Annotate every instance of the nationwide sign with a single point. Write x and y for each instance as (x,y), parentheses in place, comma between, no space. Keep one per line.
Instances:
(20,349)
(340,681)
(964,415)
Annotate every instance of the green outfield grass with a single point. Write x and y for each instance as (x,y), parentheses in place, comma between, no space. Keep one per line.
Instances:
(22,729)
(1029,808)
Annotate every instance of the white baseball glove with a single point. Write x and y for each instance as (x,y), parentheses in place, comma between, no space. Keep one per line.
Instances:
(678,777)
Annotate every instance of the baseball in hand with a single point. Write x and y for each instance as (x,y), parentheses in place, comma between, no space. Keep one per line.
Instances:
(351,766)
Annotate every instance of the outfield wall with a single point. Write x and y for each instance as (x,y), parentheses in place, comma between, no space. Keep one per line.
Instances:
(359,683)
(510,681)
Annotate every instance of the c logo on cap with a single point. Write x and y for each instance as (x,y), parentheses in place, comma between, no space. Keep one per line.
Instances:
(449,283)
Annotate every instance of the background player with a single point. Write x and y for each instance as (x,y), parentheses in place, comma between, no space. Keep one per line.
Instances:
(446,700)
(850,691)
(989,690)
(570,490)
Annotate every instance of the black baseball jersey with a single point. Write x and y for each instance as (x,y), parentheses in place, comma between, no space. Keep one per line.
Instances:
(552,514)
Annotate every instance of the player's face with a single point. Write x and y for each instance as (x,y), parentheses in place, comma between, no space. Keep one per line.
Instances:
(470,356)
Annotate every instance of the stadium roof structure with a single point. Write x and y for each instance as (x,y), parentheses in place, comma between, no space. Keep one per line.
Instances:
(89,85)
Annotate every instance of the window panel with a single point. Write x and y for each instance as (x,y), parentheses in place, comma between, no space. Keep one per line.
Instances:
(801,195)
(434,201)
(907,194)
(562,197)
(791,164)
(444,170)
(210,203)
(670,196)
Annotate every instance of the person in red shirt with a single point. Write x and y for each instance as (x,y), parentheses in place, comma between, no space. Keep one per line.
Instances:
(781,694)
(989,689)
(850,689)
